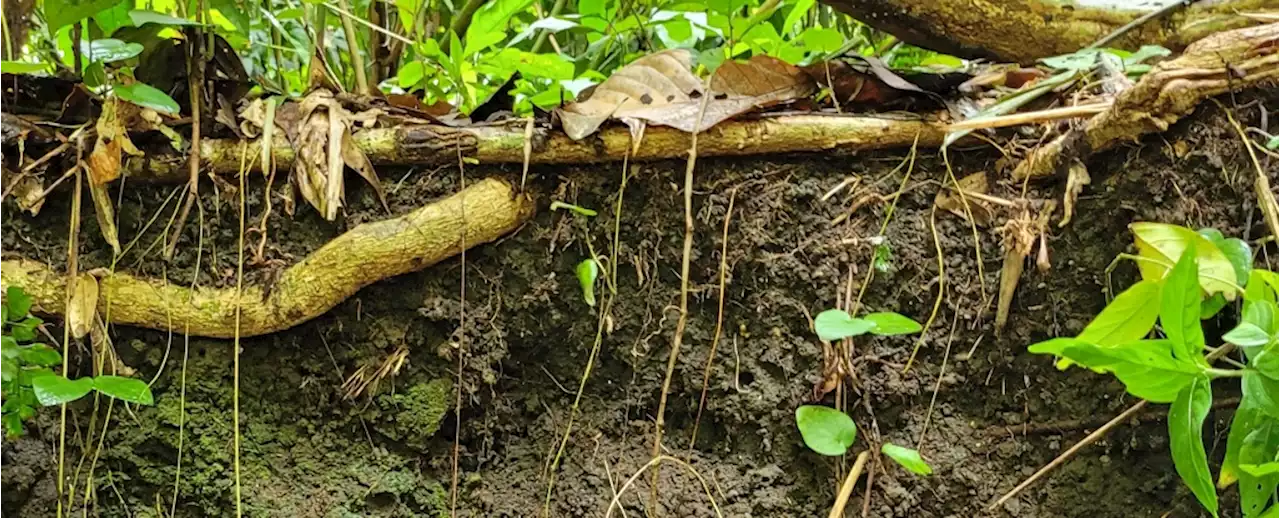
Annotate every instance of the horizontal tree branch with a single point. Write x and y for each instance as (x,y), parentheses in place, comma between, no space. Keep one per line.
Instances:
(434,144)
(366,254)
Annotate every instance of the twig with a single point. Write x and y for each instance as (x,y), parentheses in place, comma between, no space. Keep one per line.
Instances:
(73,248)
(846,489)
(938,384)
(1158,13)
(353,46)
(942,287)
(195,83)
(1018,119)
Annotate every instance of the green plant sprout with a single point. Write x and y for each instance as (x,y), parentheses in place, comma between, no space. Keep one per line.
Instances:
(28,378)
(1187,272)
(825,430)
(907,458)
(835,324)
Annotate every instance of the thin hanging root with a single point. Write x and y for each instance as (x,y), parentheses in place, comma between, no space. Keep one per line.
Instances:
(715,339)
(616,503)
(942,288)
(462,337)
(678,336)
(367,253)
(73,253)
(195,84)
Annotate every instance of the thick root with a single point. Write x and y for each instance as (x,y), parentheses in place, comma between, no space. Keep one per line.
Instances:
(427,144)
(1023,31)
(1223,62)
(366,254)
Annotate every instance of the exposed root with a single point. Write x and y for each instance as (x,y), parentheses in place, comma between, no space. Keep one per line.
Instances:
(1222,62)
(367,253)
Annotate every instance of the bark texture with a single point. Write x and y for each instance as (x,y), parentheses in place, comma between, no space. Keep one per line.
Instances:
(1025,30)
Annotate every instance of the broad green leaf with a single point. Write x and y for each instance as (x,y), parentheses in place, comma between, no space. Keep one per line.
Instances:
(1162,245)
(1186,423)
(550,66)
(826,430)
(1257,453)
(409,74)
(39,355)
(1259,470)
(587,271)
(8,370)
(1130,316)
(1180,308)
(1211,306)
(801,9)
(109,50)
(1273,144)
(1246,334)
(907,457)
(1261,286)
(1248,416)
(1267,362)
(95,75)
(125,389)
(834,324)
(1146,367)
(1261,392)
(55,390)
(141,17)
(493,16)
(891,324)
(22,67)
(25,331)
(12,423)
(1081,60)
(147,96)
(9,347)
(115,18)
(1240,256)
(60,13)
(236,12)
(479,42)
(821,39)
(18,303)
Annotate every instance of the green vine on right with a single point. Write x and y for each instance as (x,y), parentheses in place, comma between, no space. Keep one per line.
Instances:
(1194,276)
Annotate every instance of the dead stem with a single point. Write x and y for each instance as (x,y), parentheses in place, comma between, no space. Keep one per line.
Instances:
(846,489)
(235,343)
(195,84)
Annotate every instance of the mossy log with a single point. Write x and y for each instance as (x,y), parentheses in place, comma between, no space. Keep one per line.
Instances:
(433,144)
(366,254)
(1220,63)
(1026,30)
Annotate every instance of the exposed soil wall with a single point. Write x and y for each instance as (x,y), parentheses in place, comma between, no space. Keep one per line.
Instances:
(527,333)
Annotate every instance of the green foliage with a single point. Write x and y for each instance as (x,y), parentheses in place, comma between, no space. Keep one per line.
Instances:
(907,458)
(28,378)
(587,272)
(1174,262)
(826,430)
(147,96)
(835,324)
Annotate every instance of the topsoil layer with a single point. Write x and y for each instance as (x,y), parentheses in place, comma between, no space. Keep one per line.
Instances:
(525,335)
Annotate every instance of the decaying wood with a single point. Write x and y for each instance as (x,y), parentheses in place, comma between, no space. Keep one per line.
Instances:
(433,144)
(364,255)
(1223,62)
(1023,31)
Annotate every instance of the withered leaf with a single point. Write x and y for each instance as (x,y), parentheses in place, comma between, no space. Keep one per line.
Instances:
(949,200)
(664,78)
(356,159)
(104,211)
(28,192)
(1077,178)
(113,139)
(83,306)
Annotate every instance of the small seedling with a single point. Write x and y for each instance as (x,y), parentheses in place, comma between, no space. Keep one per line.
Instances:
(1188,276)
(834,324)
(28,378)
(582,211)
(588,270)
(907,458)
(826,430)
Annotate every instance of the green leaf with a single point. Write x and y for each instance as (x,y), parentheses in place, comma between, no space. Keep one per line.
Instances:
(826,430)
(1146,367)
(141,17)
(95,75)
(1161,245)
(1180,308)
(12,424)
(479,42)
(409,74)
(821,39)
(1261,286)
(1247,334)
(1260,470)
(236,12)
(493,16)
(22,67)
(115,18)
(1257,481)
(40,355)
(1240,256)
(834,324)
(8,370)
(56,390)
(557,205)
(1248,416)
(1261,391)
(18,303)
(125,389)
(25,331)
(1144,53)
(60,13)
(1186,423)
(1211,306)
(587,271)
(147,96)
(907,457)
(109,50)
(891,324)
(1273,144)
(1130,316)
(801,9)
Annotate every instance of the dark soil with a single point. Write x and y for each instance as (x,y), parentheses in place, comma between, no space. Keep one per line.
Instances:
(527,335)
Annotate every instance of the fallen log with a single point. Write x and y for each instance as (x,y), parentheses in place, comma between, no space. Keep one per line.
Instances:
(1023,31)
(435,144)
(366,254)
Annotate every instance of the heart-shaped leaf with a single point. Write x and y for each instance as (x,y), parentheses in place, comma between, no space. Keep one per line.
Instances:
(907,457)
(56,390)
(124,389)
(826,430)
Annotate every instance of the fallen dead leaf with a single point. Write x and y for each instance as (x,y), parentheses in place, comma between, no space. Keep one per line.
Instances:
(83,306)
(1077,178)
(29,193)
(104,211)
(656,80)
(113,139)
(949,200)
(324,146)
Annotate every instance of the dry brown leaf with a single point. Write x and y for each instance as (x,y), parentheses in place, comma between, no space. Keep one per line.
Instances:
(29,193)
(104,162)
(1077,178)
(655,80)
(104,211)
(113,139)
(1019,236)
(324,146)
(739,88)
(83,306)
(950,200)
